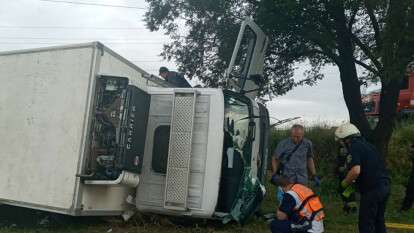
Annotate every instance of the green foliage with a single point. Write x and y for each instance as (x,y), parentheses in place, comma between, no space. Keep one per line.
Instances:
(399,158)
(203,35)
(210,28)
(375,36)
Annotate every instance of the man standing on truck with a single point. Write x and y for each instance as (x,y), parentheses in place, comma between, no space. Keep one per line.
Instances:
(367,171)
(301,210)
(174,78)
(293,158)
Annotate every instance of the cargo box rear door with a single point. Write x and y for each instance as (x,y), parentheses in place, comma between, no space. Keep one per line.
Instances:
(44,103)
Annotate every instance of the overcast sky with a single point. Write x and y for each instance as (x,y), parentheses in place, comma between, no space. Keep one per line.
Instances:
(37,23)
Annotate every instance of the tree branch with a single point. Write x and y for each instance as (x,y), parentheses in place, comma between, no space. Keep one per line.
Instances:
(366,66)
(367,51)
(326,51)
(374,23)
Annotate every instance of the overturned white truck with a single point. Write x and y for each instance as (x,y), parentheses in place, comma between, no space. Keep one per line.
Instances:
(85,132)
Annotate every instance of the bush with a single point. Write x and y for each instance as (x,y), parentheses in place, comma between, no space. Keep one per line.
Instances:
(398,160)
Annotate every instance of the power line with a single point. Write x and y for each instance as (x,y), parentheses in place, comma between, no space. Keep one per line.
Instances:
(94,4)
(147,61)
(57,38)
(52,43)
(69,27)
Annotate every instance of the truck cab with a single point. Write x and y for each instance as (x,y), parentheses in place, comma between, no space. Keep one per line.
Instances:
(405,104)
(406,97)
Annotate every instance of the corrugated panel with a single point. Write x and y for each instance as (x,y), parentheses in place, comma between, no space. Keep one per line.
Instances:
(179,155)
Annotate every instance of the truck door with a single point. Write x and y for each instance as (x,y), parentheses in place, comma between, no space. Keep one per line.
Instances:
(245,77)
(245,71)
(241,189)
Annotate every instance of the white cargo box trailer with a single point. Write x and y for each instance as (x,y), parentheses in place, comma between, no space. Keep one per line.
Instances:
(45,108)
(85,132)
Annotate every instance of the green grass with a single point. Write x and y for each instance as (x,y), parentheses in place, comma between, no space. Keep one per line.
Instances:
(336,221)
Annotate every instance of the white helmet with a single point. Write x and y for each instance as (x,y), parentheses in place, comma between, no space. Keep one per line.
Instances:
(346,130)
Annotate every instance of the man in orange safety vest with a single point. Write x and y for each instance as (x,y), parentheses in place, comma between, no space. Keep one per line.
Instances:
(300,211)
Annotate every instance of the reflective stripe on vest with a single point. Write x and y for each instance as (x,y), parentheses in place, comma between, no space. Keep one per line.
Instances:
(300,193)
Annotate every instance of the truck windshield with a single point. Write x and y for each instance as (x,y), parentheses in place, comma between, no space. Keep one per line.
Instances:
(237,118)
(236,149)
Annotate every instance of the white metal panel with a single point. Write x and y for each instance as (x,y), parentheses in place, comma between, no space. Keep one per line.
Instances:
(113,64)
(150,192)
(206,155)
(43,96)
(103,199)
(214,153)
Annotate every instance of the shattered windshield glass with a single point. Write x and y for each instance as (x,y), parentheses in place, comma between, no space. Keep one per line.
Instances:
(237,125)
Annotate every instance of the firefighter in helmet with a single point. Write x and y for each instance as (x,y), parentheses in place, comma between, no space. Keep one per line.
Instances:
(367,171)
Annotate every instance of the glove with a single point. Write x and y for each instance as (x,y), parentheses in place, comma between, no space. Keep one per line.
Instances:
(349,191)
(317,181)
(344,185)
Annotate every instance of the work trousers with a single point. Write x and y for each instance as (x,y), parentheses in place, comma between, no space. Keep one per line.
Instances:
(372,209)
(281,226)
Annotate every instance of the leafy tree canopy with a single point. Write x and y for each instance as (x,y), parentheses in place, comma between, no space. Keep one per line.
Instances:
(203,35)
(374,36)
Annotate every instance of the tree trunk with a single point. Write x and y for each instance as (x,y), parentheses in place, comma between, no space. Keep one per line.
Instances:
(351,86)
(352,96)
(395,59)
(388,112)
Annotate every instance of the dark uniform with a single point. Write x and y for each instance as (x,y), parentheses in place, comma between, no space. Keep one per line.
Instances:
(409,192)
(177,79)
(373,184)
(343,165)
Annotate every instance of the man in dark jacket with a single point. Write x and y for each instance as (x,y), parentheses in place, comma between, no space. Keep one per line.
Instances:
(409,192)
(174,78)
(367,171)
